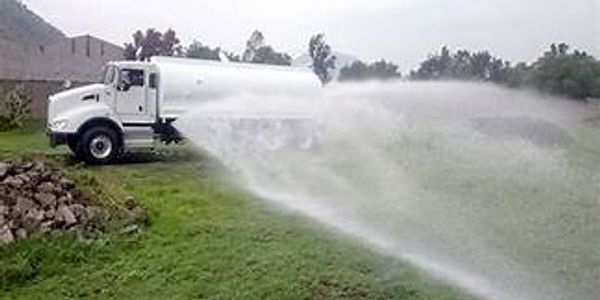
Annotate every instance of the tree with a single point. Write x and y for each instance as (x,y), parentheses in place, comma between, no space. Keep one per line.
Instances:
(573,74)
(356,71)
(199,51)
(463,65)
(435,66)
(255,42)
(14,107)
(384,70)
(266,55)
(232,56)
(560,71)
(170,44)
(152,43)
(519,75)
(322,59)
(379,70)
(258,52)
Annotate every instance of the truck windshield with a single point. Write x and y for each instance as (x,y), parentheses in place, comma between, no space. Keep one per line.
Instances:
(109,75)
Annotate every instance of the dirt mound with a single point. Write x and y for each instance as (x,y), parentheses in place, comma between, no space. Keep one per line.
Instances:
(37,199)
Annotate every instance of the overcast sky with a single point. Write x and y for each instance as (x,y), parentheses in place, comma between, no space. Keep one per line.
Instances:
(404,31)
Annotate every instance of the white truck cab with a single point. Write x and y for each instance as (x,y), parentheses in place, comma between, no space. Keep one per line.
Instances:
(137,102)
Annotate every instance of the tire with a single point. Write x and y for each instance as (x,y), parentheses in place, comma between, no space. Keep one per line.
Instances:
(72,142)
(99,146)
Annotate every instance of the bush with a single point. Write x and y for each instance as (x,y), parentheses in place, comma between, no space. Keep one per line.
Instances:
(14,108)
(380,70)
(573,74)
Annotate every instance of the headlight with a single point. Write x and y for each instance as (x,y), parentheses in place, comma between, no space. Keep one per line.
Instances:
(59,124)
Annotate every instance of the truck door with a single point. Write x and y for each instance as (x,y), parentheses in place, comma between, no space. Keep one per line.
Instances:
(131,94)
(152,93)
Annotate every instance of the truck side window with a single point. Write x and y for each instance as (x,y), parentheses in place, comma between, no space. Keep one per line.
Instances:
(153,81)
(131,77)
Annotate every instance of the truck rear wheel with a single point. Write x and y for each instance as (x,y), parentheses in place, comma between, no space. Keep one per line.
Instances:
(99,145)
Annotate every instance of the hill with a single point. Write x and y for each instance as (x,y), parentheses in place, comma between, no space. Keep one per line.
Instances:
(20,25)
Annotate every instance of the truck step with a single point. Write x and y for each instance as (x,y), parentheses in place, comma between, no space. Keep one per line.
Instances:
(138,137)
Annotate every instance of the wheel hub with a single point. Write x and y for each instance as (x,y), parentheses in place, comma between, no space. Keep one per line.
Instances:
(101,147)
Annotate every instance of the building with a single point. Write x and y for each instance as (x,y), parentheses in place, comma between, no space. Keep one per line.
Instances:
(49,68)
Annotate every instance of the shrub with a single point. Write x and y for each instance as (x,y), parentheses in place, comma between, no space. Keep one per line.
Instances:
(14,108)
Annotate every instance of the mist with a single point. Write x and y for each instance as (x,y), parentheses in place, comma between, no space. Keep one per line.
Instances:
(487,188)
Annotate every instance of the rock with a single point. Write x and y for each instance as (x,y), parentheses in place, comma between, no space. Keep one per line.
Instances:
(58,218)
(6,236)
(27,166)
(36,199)
(21,234)
(32,220)
(47,226)
(78,231)
(13,182)
(4,210)
(46,200)
(67,215)
(24,177)
(46,174)
(69,198)
(140,215)
(34,174)
(23,205)
(97,217)
(137,215)
(55,177)
(4,168)
(134,228)
(38,166)
(46,187)
(129,203)
(49,213)
(62,200)
(79,211)
(14,214)
(67,184)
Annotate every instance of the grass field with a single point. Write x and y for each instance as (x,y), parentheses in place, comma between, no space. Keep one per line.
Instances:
(206,240)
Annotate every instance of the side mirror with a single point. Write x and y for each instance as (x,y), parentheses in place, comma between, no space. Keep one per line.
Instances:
(153,81)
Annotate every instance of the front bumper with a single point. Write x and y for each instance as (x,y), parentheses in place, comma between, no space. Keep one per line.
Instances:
(57,138)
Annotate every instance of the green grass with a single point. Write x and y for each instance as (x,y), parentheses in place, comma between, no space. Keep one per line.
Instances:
(206,240)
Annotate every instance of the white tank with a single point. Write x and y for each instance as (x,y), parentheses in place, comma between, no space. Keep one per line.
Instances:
(186,84)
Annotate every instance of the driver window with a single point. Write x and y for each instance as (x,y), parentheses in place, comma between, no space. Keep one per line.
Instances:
(131,77)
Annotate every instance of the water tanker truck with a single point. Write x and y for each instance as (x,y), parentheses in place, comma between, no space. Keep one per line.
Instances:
(137,103)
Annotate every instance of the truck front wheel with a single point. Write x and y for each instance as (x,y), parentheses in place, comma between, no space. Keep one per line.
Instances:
(99,145)
(72,143)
